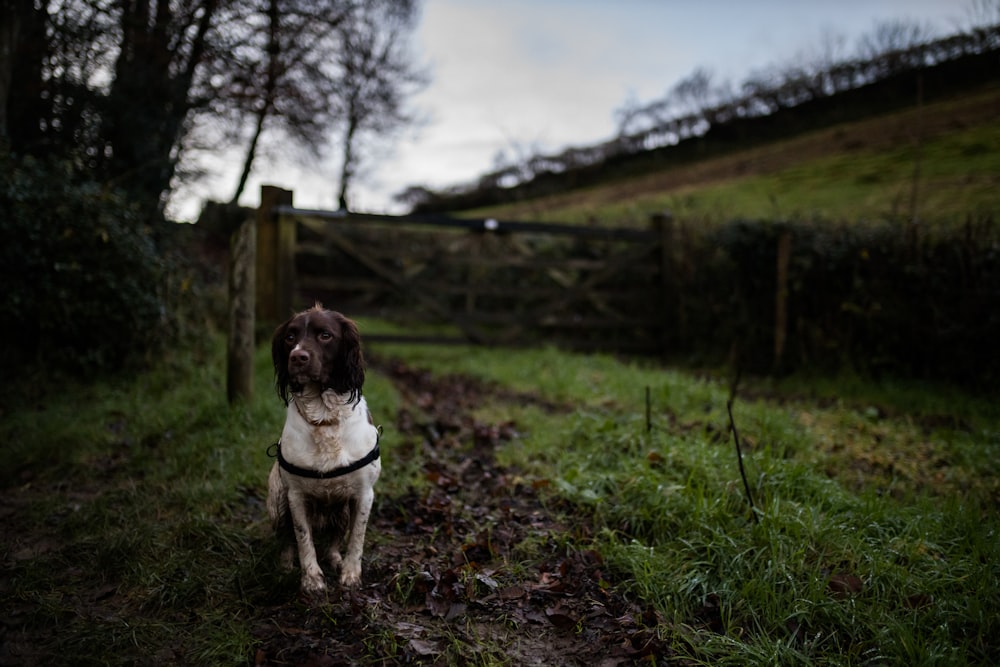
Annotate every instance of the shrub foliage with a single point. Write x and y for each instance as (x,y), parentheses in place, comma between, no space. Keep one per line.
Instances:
(82,275)
(882,298)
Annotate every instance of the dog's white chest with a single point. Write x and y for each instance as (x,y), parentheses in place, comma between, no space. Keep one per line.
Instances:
(325,432)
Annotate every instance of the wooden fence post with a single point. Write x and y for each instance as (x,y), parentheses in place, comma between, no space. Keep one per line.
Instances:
(663,224)
(275,256)
(781,297)
(242,288)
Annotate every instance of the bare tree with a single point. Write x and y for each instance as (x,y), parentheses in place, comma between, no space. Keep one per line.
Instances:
(890,43)
(818,64)
(126,88)
(301,68)
(693,94)
(634,116)
(279,80)
(106,85)
(983,13)
(268,93)
(160,48)
(375,77)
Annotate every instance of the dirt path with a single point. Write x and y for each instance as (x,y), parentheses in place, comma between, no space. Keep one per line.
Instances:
(448,576)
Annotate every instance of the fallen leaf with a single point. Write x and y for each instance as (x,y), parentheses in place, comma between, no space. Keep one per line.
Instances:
(535,616)
(410,630)
(319,660)
(512,593)
(455,611)
(437,606)
(423,647)
(559,618)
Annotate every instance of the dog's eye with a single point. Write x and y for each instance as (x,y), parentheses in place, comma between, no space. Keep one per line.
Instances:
(290,337)
(325,335)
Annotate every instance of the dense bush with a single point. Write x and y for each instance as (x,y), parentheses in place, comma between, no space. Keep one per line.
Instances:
(83,282)
(881,298)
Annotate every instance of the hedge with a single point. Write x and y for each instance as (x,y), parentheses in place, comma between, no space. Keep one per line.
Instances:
(83,280)
(881,298)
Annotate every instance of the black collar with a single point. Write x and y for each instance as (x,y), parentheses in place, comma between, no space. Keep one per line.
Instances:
(373,455)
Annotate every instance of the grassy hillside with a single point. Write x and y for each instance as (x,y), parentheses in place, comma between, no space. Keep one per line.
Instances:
(938,162)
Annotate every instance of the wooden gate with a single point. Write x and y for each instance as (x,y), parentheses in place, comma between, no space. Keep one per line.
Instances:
(486,281)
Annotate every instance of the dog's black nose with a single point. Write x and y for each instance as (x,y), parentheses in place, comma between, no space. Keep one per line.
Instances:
(298,357)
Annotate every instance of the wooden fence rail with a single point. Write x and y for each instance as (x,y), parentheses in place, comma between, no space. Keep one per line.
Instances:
(766,296)
(493,282)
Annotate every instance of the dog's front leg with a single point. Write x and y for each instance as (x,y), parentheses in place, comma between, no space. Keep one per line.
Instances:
(360,509)
(313,582)
(277,509)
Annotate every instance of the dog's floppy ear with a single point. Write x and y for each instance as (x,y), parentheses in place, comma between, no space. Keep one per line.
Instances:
(348,373)
(279,356)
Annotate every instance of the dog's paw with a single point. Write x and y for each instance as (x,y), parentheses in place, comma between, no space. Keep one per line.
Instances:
(350,575)
(335,558)
(313,583)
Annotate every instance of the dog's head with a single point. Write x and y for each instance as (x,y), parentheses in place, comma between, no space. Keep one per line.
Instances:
(318,347)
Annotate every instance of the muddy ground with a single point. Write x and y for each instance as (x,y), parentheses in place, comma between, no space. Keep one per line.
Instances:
(447,577)
(479,566)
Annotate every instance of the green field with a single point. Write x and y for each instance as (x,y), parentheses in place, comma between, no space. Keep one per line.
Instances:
(135,532)
(938,163)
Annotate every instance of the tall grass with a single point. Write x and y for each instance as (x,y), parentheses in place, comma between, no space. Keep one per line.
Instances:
(850,563)
(136,532)
(680,531)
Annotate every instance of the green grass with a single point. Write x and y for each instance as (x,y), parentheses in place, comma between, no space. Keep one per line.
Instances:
(142,484)
(873,170)
(135,530)
(954,181)
(875,488)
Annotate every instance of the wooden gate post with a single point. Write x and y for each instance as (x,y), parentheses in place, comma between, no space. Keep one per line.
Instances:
(663,225)
(275,256)
(784,256)
(242,282)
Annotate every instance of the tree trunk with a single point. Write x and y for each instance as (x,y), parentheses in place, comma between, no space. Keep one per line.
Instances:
(10,27)
(26,111)
(270,85)
(347,171)
(148,101)
(248,160)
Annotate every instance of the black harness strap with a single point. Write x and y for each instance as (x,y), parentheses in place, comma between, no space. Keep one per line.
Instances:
(373,455)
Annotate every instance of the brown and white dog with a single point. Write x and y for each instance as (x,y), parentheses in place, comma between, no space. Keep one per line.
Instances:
(328,458)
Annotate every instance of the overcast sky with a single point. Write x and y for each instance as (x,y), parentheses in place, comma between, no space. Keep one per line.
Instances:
(510,75)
